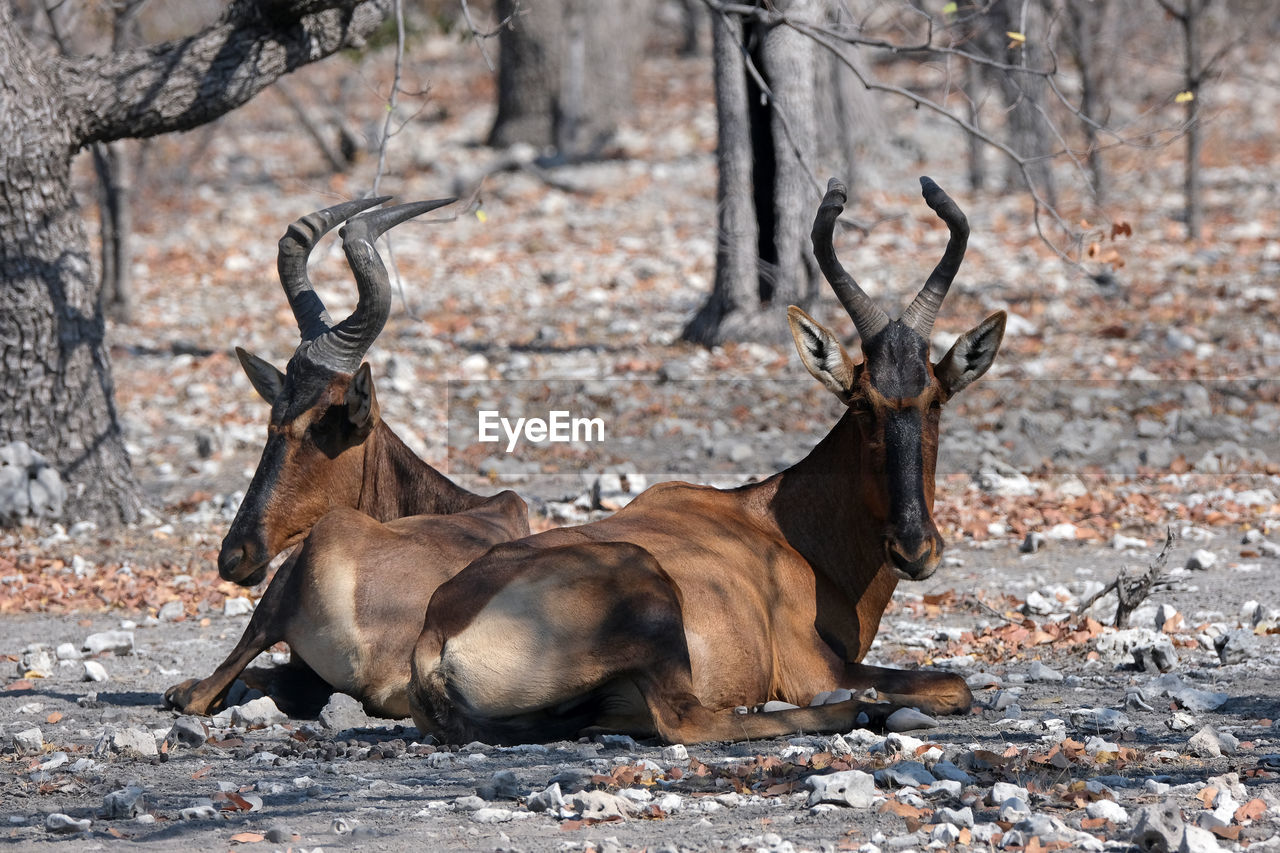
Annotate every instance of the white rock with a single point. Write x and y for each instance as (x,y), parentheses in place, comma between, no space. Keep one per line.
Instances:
(846,787)
(132,741)
(68,651)
(1201,560)
(61,823)
(909,720)
(117,642)
(171,611)
(1064,532)
(257,714)
(1109,810)
(675,752)
(237,606)
(28,740)
(94,671)
(1002,791)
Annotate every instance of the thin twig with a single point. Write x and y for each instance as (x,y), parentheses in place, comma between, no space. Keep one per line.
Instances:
(481,36)
(391,100)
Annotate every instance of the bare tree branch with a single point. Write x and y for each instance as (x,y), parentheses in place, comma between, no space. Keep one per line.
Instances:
(181,84)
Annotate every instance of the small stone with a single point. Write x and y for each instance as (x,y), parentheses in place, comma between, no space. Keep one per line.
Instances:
(130,742)
(948,771)
(1100,719)
(547,800)
(116,642)
(1039,672)
(1206,743)
(623,742)
(61,823)
(199,811)
(28,741)
(1014,809)
(1236,646)
(956,817)
(909,720)
(241,606)
(1180,721)
(1201,560)
(1195,700)
(67,651)
(257,714)
(675,752)
(846,788)
(1165,614)
(601,805)
(489,814)
(124,804)
(1033,542)
(904,774)
(344,712)
(190,732)
(945,833)
(1002,791)
(94,671)
(280,833)
(36,660)
(1108,810)
(1197,840)
(503,785)
(171,611)
(777,705)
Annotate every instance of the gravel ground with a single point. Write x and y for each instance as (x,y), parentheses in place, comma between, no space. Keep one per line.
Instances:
(348,780)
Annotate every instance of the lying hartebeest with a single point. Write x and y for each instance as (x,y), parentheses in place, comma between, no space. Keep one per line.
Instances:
(693,600)
(382,528)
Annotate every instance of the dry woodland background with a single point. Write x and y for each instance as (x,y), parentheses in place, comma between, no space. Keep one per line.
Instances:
(1133,395)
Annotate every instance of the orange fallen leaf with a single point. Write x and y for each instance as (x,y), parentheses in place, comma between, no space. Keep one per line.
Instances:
(247,837)
(202,772)
(1251,810)
(1207,796)
(54,717)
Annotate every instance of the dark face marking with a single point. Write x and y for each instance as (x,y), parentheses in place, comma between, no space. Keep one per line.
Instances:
(301,424)
(901,400)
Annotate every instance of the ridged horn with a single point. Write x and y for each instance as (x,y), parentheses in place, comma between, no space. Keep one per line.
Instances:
(291,262)
(343,347)
(868,317)
(921,313)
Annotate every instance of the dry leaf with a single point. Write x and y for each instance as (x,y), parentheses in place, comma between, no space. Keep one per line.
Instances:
(247,837)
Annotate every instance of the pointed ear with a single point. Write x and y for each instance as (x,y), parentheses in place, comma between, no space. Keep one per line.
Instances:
(821,352)
(362,403)
(266,379)
(971,354)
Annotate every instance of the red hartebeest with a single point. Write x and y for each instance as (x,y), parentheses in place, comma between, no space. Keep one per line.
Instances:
(382,528)
(693,600)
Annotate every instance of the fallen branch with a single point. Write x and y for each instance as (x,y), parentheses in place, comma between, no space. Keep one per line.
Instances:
(1131,592)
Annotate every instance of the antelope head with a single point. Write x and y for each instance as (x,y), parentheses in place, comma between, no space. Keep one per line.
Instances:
(323,406)
(895,394)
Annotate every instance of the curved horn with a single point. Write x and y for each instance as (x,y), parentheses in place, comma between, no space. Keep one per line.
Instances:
(921,313)
(291,262)
(343,347)
(868,317)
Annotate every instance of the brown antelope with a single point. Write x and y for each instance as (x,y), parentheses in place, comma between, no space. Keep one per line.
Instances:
(693,600)
(382,528)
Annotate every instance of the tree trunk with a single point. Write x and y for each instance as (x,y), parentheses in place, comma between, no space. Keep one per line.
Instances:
(765,189)
(1190,21)
(1027,129)
(55,377)
(56,390)
(566,70)
(1089,22)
